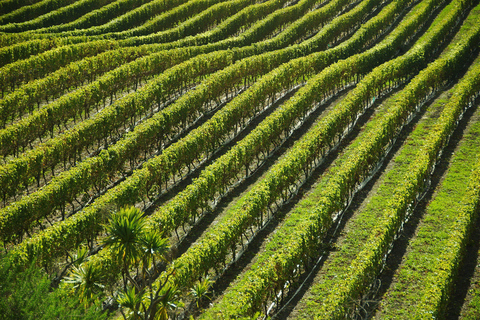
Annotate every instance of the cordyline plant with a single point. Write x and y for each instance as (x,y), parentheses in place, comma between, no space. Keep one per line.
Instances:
(137,247)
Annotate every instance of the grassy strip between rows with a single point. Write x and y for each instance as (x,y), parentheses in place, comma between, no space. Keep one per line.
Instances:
(425,278)
(217,177)
(303,230)
(212,249)
(338,266)
(77,175)
(471,307)
(338,298)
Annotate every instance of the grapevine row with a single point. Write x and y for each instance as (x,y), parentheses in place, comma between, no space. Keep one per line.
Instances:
(366,265)
(452,222)
(61,15)
(277,265)
(98,17)
(224,236)
(23,99)
(14,74)
(186,108)
(217,177)
(31,11)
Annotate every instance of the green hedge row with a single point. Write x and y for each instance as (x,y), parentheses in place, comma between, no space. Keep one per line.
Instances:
(7,6)
(124,194)
(169,17)
(98,17)
(452,212)
(303,230)
(14,74)
(366,265)
(11,52)
(61,15)
(24,99)
(217,177)
(253,34)
(21,171)
(28,12)
(211,251)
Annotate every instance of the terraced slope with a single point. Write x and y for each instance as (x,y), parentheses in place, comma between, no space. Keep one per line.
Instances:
(281,148)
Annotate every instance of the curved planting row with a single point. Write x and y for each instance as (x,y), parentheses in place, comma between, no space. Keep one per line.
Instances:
(36,164)
(203,256)
(100,16)
(447,222)
(27,12)
(211,116)
(278,264)
(356,266)
(7,6)
(14,74)
(63,14)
